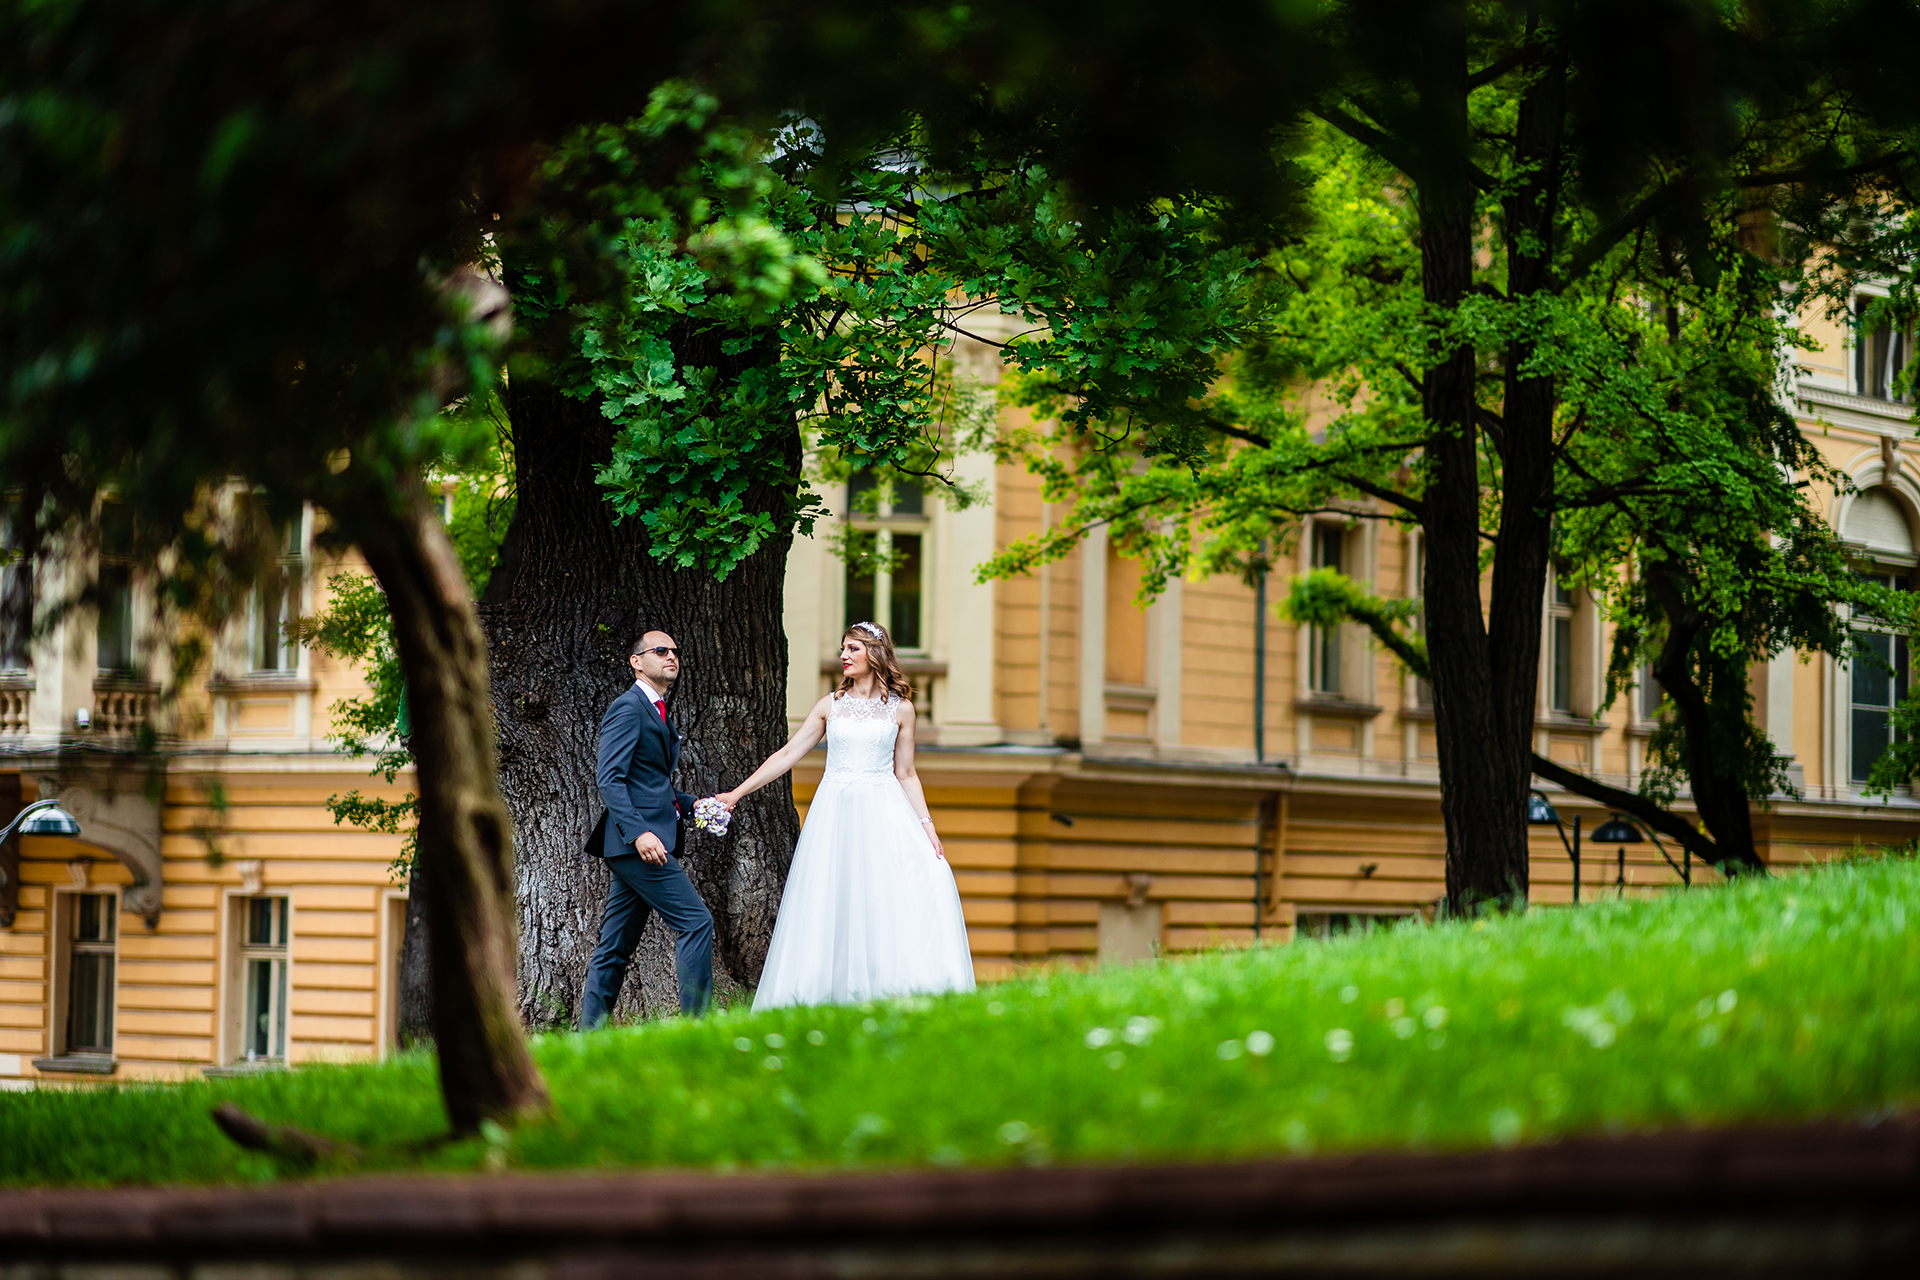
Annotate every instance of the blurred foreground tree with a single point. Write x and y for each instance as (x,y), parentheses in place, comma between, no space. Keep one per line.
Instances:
(238,246)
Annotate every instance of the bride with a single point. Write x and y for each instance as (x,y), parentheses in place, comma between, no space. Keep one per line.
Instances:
(870,907)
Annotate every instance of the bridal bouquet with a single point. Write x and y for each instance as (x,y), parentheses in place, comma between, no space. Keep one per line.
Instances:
(710,815)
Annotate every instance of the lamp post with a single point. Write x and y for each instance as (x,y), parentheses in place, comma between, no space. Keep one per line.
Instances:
(1540,812)
(41,818)
(1619,829)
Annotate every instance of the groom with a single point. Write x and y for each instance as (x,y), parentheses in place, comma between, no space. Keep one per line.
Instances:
(639,834)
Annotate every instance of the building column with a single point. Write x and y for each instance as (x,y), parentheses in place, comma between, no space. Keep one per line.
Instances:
(1093,636)
(968,710)
(1167,630)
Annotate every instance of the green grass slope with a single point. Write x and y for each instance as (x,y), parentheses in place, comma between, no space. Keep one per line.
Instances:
(1792,998)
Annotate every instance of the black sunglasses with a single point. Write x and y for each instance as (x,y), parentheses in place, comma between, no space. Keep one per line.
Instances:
(660,649)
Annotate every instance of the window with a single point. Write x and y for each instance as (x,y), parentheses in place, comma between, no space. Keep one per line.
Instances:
(890,587)
(1880,353)
(87,1022)
(1647,694)
(16,590)
(262,980)
(1328,552)
(1559,647)
(114,638)
(1878,683)
(275,603)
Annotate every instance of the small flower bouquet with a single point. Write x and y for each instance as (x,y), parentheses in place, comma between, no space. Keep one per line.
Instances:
(711,816)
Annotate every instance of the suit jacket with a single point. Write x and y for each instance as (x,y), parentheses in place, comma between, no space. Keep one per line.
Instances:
(638,752)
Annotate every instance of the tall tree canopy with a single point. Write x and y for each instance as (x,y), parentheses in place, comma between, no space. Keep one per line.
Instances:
(1528,267)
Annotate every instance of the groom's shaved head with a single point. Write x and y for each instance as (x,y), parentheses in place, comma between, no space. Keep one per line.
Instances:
(658,669)
(647,640)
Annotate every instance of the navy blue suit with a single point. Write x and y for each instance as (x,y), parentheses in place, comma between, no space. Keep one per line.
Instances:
(638,752)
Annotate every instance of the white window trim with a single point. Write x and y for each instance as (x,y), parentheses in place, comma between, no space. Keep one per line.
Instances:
(233,975)
(886,525)
(60,931)
(1837,748)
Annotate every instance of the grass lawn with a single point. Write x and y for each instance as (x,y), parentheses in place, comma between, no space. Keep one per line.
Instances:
(1791,998)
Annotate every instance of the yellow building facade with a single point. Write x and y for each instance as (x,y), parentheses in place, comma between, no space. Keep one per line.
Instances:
(1110,781)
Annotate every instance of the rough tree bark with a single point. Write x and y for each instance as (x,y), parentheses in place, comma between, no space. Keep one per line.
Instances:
(465,835)
(1483,745)
(415,979)
(1719,796)
(572,591)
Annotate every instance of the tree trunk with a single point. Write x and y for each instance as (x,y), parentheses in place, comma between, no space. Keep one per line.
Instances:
(414,981)
(1719,797)
(572,592)
(465,835)
(1484,753)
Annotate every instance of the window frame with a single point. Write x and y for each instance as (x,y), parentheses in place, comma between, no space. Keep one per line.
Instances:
(291,570)
(119,563)
(242,955)
(1899,356)
(61,992)
(1562,647)
(886,525)
(1326,673)
(1900,675)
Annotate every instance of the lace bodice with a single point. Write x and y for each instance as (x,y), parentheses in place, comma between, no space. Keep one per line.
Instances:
(860,737)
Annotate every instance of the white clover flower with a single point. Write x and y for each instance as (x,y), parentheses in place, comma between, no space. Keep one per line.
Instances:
(775,1040)
(1099,1038)
(743,1044)
(1259,1043)
(1229,1050)
(1339,1044)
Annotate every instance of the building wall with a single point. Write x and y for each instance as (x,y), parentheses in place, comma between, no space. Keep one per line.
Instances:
(1091,764)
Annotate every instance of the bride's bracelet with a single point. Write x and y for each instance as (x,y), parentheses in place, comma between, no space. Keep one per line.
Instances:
(926,822)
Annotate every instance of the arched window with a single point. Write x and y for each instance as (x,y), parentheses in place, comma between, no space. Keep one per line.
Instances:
(1879,672)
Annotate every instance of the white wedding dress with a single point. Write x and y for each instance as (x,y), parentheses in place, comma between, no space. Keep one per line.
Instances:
(869,910)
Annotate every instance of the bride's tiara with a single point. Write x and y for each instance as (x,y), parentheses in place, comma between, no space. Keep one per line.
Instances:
(870,629)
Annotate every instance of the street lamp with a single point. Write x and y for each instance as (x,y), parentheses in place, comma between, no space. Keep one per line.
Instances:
(1540,812)
(1621,830)
(41,818)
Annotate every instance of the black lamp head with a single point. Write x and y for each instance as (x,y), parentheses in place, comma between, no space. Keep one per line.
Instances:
(1539,811)
(1615,830)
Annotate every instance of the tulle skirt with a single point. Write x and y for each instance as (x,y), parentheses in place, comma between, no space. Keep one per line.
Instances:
(869,909)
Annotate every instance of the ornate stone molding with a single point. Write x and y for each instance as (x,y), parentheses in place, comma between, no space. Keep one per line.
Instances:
(119,811)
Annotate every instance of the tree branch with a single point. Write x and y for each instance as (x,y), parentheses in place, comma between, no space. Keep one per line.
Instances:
(1603,241)
(1665,822)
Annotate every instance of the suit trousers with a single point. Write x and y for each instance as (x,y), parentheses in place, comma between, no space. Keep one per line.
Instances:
(639,889)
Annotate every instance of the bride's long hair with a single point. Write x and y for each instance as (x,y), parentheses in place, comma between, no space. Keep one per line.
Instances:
(880,657)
